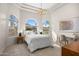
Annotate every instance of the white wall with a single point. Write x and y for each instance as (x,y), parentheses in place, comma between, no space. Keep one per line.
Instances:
(66,12)
(14,10)
(25,15)
(5,11)
(3,26)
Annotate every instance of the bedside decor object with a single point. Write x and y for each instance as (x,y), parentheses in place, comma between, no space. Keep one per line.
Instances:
(20,38)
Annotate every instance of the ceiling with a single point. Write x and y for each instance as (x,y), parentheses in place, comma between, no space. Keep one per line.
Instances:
(42,5)
(40,8)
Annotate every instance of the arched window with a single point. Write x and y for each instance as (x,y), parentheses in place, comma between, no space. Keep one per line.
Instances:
(13,25)
(31,22)
(45,26)
(31,25)
(45,23)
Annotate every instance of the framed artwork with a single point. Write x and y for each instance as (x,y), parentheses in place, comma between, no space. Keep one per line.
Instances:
(66,25)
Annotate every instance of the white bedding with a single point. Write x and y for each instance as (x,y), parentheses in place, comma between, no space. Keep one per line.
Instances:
(37,41)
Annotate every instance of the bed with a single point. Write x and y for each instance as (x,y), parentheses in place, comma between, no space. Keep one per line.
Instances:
(37,41)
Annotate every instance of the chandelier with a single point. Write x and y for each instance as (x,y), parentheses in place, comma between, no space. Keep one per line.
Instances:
(42,11)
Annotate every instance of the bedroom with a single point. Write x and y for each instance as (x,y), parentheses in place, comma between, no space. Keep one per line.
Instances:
(41,25)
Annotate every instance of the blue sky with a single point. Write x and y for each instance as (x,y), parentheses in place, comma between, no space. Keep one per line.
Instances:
(13,18)
(46,22)
(32,22)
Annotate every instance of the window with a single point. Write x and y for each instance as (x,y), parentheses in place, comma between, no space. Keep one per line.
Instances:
(46,23)
(31,25)
(45,26)
(31,22)
(13,25)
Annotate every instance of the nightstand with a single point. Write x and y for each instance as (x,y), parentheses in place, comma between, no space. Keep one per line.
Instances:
(20,39)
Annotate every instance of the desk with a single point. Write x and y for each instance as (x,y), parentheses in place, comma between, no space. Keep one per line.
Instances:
(71,49)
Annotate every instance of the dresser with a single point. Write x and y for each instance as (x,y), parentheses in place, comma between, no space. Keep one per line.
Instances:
(71,49)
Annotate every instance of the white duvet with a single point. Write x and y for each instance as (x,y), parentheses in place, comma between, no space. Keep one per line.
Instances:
(37,41)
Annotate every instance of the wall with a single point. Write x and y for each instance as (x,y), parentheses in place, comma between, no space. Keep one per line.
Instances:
(5,11)
(25,15)
(65,12)
(13,10)
(3,26)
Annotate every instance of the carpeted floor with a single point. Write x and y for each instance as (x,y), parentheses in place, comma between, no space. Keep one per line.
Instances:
(22,50)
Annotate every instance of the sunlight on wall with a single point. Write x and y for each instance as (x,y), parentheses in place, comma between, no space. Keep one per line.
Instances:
(54,36)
